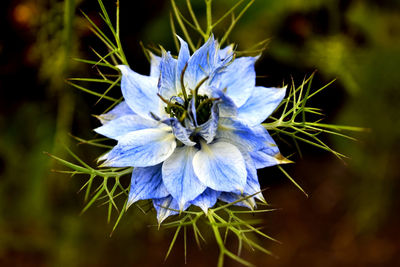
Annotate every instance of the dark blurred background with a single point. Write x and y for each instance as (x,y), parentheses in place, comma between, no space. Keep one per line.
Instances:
(352,215)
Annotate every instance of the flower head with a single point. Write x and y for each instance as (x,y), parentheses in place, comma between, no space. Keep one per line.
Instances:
(191,129)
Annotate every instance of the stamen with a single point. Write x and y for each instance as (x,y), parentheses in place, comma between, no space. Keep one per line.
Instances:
(183,116)
(206,102)
(163,99)
(182,82)
(170,105)
(196,90)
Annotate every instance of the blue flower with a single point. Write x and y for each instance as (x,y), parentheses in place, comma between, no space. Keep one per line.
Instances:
(191,129)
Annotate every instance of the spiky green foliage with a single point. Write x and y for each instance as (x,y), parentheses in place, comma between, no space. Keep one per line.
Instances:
(292,118)
(224,220)
(203,32)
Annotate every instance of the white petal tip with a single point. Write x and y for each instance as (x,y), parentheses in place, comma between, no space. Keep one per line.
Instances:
(160,220)
(128,204)
(261,198)
(103,157)
(205,210)
(123,68)
(181,206)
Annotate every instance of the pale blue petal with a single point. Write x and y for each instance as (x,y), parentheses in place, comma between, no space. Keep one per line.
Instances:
(239,134)
(230,197)
(183,58)
(227,107)
(192,111)
(269,143)
(154,65)
(146,183)
(189,124)
(208,130)
(125,124)
(262,102)
(179,177)
(252,185)
(142,148)
(263,158)
(263,134)
(140,92)
(226,52)
(166,83)
(239,79)
(206,200)
(181,133)
(201,64)
(267,155)
(220,166)
(225,57)
(119,110)
(166,207)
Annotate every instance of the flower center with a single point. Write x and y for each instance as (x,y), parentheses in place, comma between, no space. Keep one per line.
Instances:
(201,108)
(196,107)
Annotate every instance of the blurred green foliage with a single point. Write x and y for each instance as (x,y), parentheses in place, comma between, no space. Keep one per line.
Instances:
(355,206)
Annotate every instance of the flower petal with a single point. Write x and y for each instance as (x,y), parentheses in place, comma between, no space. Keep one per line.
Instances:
(119,110)
(208,130)
(262,159)
(166,84)
(140,92)
(179,177)
(165,207)
(227,107)
(142,148)
(267,155)
(220,166)
(192,112)
(261,104)
(183,58)
(226,52)
(252,185)
(241,135)
(181,133)
(154,65)
(125,124)
(146,183)
(239,79)
(206,200)
(201,64)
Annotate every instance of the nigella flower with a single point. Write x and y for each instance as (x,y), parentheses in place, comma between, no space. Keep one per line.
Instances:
(191,129)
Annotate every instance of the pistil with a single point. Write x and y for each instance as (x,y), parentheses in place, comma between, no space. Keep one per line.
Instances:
(183,84)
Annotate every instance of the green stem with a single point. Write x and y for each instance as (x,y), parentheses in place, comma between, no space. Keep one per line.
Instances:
(209,20)
(234,21)
(182,25)
(218,238)
(227,13)
(193,15)
(117,39)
